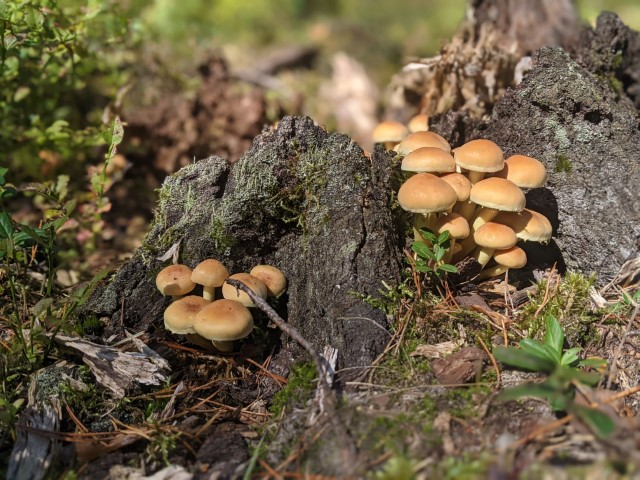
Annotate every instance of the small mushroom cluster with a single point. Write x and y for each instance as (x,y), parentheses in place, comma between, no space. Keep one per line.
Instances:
(448,190)
(204,320)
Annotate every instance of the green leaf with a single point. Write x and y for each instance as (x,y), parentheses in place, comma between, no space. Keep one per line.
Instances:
(428,235)
(3,172)
(520,359)
(598,422)
(536,348)
(568,374)
(6,225)
(557,398)
(38,235)
(439,252)
(570,356)
(448,268)
(422,250)
(593,362)
(443,237)
(554,336)
(115,134)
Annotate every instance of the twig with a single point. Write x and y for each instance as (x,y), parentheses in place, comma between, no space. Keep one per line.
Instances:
(545,299)
(321,363)
(328,403)
(493,360)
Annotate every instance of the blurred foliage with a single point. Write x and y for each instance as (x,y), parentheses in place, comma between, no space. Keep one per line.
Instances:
(60,67)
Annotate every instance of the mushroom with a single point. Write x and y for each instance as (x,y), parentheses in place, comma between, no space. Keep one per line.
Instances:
(528,225)
(222,322)
(180,316)
(479,157)
(491,195)
(428,159)
(422,139)
(389,133)
(490,237)
(232,293)
(513,257)
(272,277)
(525,172)
(210,274)
(462,186)
(457,226)
(175,280)
(419,123)
(426,194)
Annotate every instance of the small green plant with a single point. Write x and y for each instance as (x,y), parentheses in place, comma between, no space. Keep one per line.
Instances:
(300,384)
(626,303)
(564,370)
(389,298)
(430,259)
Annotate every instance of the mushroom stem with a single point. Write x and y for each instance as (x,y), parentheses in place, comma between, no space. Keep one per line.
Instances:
(199,340)
(223,346)
(483,255)
(466,209)
(208,293)
(492,272)
(449,253)
(475,177)
(481,216)
(422,220)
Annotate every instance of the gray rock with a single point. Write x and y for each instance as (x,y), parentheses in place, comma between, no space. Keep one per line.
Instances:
(304,200)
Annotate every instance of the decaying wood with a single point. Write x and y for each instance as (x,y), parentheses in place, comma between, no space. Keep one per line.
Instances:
(117,370)
(328,402)
(34,451)
(530,24)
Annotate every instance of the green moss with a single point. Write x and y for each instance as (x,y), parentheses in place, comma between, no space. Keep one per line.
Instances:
(300,202)
(299,388)
(569,302)
(563,164)
(463,402)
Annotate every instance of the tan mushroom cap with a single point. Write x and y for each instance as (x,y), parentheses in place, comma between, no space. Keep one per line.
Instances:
(422,139)
(425,193)
(513,257)
(479,156)
(180,315)
(210,272)
(506,259)
(389,132)
(495,236)
(224,321)
(499,194)
(428,159)
(456,224)
(175,280)
(272,277)
(528,225)
(419,123)
(525,172)
(255,284)
(460,184)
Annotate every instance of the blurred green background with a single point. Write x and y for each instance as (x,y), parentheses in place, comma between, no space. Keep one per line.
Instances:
(381,34)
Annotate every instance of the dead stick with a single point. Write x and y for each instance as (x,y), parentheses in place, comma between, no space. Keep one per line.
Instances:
(329,402)
(321,362)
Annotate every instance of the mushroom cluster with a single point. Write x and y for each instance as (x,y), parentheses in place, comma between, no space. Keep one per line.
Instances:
(472,192)
(207,321)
